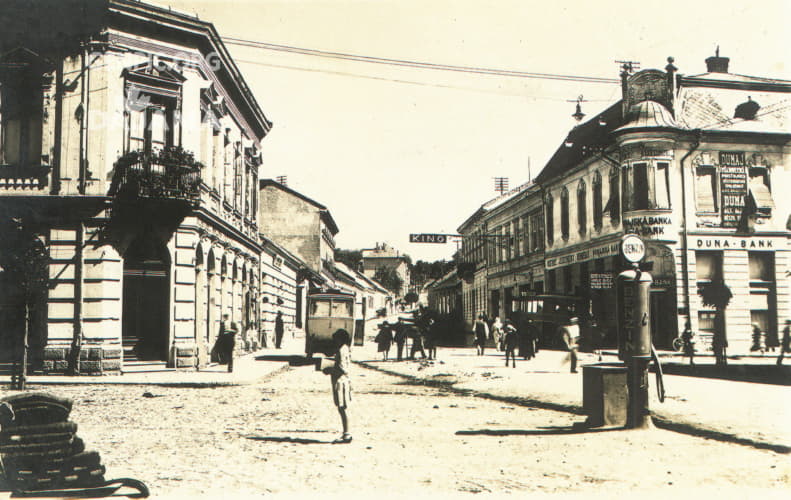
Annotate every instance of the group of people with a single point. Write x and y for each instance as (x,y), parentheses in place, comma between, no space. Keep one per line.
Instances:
(422,333)
(510,337)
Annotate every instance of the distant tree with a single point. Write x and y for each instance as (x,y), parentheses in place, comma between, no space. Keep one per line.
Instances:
(352,258)
(410,298)
(389,278)
(423,271)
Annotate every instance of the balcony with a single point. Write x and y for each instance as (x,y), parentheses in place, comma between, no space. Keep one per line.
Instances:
(168,174)
(23,178)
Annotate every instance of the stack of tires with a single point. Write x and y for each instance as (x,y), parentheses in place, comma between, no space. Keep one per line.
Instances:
(41,451)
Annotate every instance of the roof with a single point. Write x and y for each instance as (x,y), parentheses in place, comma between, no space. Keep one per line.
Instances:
(733,80)
(324,211)
(583,141)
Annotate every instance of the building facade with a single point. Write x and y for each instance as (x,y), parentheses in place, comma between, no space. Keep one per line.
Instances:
(385,257)
(130,150)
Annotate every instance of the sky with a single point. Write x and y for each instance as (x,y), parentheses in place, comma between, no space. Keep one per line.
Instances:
(394,150)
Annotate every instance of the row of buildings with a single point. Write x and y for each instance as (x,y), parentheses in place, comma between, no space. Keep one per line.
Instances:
(132,214)
(696,166)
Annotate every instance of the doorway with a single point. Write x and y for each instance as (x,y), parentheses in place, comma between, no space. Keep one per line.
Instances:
(145,301)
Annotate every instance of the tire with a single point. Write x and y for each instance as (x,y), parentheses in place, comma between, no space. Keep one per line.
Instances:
(678,344)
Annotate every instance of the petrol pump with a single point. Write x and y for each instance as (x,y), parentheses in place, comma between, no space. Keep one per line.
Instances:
(633,289)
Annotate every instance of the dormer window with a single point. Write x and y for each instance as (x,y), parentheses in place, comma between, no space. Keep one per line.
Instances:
(747,110)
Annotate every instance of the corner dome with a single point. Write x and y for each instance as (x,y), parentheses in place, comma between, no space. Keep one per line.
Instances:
(648,114)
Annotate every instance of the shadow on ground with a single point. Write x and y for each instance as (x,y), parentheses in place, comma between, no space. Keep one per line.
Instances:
(292,359)
(768,373)
(287,439)
(541,431)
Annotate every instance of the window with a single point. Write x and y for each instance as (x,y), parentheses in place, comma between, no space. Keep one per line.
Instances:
(506,241)
(706,189)
(20,122)
(550,214)
(564,213)
(640,187)
(525,235)
(597,202)
(614,203)
(152,93)
(662,185)
(763,299)
(536,232)
(517,239)
(582,212)
(760,190)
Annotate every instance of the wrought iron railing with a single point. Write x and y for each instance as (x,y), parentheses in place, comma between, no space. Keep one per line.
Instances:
(170,173)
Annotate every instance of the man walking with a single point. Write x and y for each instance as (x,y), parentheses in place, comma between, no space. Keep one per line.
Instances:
(570,333)
(228,330)
(278,329)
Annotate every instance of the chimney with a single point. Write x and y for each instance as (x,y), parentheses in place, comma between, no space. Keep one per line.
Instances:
(717,64)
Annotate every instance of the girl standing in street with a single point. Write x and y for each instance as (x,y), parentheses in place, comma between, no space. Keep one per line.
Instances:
(341,384)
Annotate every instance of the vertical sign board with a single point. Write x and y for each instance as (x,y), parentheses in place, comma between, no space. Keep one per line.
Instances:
(733,186)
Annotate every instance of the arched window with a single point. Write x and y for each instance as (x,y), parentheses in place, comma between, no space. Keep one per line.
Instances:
(564,213)
(582,208)
(614,203)
(597,202)
(549,208)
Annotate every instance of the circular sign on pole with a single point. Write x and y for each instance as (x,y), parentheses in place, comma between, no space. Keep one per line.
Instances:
(632,248)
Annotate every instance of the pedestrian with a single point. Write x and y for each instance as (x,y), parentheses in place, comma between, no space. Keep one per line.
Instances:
(415,333)
(431,338)
(785,346)
(278,330)
(510,342)
(497,333)
(384,339)
(341,383)
(481,330)
(772,341)
(227,341)
(569,334)
(757,338)
(400,338)
(688,338)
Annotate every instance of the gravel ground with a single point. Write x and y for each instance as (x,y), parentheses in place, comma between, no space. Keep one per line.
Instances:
(410,439)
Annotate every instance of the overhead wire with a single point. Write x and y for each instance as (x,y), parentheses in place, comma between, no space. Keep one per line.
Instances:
(415,64)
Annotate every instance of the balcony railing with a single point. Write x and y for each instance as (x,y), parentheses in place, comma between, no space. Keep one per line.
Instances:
(28,177)
(168,174)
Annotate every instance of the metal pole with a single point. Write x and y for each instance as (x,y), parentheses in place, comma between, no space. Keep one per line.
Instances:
(638,414)
(23,375)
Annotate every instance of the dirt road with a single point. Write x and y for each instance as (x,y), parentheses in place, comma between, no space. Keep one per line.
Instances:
(410,439)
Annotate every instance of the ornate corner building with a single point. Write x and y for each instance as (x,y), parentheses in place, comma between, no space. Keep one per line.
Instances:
(695,165)
(129,156)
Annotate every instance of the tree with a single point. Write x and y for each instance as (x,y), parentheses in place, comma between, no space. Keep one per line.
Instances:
(423,271)
(388,277)
(410,298)
(352,258)
(24,257)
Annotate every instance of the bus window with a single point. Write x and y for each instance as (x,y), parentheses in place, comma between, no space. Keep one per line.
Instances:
(320,308)
(341,309)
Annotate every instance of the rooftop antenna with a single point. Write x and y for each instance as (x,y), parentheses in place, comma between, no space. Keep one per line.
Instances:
(501,184)
(578,115)
(282,179)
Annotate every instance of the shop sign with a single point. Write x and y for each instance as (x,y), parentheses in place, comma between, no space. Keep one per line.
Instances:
(601,281)
(632,248)
(733,186)
(726,243)
(663,282)
(647,226)
(583,255)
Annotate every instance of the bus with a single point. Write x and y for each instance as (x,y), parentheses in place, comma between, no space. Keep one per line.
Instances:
(327,312)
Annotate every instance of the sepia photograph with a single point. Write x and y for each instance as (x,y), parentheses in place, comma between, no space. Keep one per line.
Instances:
(395,249)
